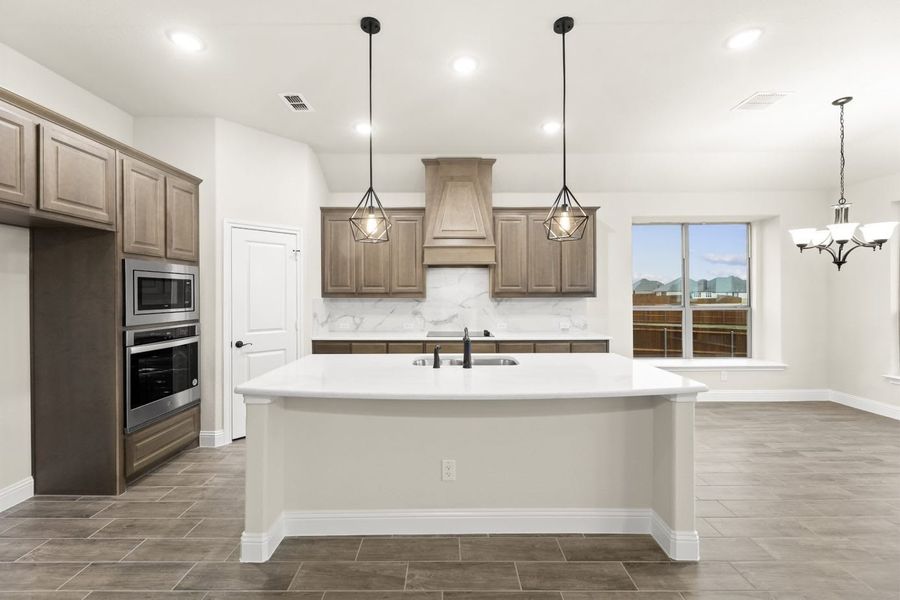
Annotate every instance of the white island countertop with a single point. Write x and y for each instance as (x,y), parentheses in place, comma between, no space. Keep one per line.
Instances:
(496,336)
(537,376)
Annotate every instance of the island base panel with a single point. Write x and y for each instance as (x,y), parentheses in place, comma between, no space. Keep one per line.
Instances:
(364,467)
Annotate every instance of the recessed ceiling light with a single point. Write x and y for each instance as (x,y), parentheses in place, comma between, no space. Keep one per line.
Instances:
(465,65)
(362,128)
(744,39)
(186,41)
(551,127)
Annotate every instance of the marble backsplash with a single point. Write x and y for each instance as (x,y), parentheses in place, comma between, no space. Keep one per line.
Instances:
(455,298)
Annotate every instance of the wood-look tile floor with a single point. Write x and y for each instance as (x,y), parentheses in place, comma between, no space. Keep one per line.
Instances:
(796,501)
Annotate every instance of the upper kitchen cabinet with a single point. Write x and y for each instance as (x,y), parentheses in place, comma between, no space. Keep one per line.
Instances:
(407,260)
(143,209)
(78,176)
(390,269)
(182,219)
(510,275)
(528,264)
(18,157)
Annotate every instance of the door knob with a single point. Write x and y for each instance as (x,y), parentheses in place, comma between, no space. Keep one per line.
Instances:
(240,344)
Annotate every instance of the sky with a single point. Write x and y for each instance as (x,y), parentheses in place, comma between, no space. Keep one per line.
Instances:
(716,250)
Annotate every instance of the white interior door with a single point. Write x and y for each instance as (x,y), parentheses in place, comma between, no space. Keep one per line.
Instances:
(264,309)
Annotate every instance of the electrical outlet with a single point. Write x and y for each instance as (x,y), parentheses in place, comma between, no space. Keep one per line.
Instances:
(448,470)
(723,375)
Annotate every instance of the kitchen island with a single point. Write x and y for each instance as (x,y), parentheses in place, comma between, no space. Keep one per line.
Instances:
(358,444)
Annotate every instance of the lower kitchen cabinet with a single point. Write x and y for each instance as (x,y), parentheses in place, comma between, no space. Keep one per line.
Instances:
(375,346)
(153,445)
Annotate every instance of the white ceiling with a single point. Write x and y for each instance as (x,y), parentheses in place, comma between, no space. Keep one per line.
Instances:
(644,77)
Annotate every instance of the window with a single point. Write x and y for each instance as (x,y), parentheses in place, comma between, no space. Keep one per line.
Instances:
(714,258)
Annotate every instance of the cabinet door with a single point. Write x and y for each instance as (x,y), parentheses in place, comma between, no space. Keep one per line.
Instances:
(543,258)
(182,219)
(143,209)
(578,271)
(407,268)
(78,175)
(374,267)
(18,158)
(338,255)
(510,274)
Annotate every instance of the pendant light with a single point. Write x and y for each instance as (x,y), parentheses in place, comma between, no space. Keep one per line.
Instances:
(369,223)
(567,220)
(842,232)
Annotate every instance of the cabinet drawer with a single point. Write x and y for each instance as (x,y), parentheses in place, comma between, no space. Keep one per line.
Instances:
(368,348)
(484,347)
(331,347)
(405,348)
(446,347)
(151,446)
(599,346)
(513,347)
(551,346)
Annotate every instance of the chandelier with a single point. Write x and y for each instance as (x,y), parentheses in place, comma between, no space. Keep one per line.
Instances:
(843,237)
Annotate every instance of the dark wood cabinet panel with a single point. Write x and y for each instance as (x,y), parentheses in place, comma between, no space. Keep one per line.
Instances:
(407,257)
(338,255)
(515,347)
(599,346)
(78,176)
(578,271)
(558,347)
(18,157)
(374,265)
(510,274)
(543,258)
(153,445)
(324,347)
(406,348)
(143,209)
(182,219)
(368,348)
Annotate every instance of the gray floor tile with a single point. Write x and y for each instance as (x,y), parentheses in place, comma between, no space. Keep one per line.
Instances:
(11,549)
(512,549)
(462,576)
(128,576)
(405,549)
(326,575)
(612,548)
(28,576)
(188,550)
(573,576)
(147,528)
(687,576)
(239,576)
(218,528)
(70,550)
(145,510)
(72,510)
(55,528)
(319,548)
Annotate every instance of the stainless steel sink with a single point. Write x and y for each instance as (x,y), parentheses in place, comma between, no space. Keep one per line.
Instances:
(477,361)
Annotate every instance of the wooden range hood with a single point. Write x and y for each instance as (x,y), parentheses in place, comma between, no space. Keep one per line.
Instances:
(459,228)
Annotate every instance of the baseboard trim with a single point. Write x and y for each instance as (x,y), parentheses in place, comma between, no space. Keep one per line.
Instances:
(213,439)
(789,395)
(15,493)
(259,547)
(679,545)
(877,407)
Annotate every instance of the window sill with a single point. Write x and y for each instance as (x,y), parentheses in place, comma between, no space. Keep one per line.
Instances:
(895,379)
(714,364)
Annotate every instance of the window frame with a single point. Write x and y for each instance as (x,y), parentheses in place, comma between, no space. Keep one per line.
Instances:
(687,309)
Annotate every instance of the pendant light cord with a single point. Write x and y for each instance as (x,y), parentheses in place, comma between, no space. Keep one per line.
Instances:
(842,200)
(564,105)
(371,127)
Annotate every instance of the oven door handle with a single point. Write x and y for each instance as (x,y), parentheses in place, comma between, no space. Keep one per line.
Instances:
(162,345)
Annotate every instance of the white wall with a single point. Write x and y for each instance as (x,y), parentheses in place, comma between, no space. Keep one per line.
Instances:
(15,358)
(25,77)
(863,323)
(249,176)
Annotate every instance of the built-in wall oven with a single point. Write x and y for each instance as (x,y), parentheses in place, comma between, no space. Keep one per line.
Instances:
(162,369)
(159,292)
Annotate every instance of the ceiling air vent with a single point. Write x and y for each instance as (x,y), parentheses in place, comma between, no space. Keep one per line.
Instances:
(761,100)
(296,102)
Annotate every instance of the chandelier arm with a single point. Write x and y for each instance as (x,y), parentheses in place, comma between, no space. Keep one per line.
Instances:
(857,245)
(828,249)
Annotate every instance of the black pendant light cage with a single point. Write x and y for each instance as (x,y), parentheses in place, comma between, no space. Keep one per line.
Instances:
(567,220)
(369,223)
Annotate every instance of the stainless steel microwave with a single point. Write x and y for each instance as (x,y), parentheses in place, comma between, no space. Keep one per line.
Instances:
(159,292)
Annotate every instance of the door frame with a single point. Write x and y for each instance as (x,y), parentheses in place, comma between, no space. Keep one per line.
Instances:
(227,382)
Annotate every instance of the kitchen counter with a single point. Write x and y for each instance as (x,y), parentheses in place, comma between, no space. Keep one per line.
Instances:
(497,336)
(560,443)
(537,376)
